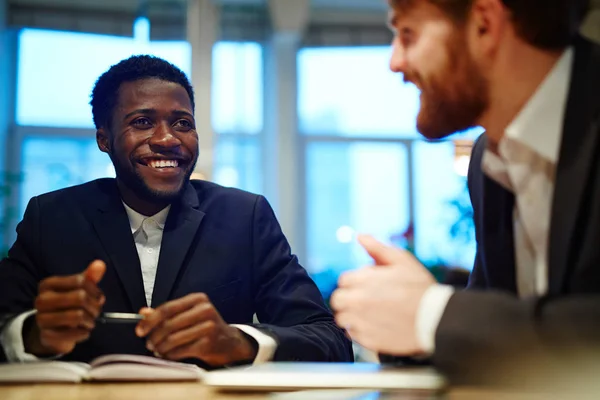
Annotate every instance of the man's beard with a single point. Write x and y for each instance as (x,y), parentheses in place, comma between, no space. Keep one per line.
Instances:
(454,99)
(132,180)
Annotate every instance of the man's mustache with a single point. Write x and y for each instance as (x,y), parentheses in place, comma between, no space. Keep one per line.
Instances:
(412,78)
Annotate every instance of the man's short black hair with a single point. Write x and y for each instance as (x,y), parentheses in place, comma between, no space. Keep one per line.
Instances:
(106,90)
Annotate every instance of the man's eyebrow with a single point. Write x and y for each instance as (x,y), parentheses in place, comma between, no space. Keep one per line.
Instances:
(392,20)
(140,111)
(150,111)
(182,113)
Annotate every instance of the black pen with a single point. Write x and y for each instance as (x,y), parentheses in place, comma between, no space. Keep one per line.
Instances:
(120,318)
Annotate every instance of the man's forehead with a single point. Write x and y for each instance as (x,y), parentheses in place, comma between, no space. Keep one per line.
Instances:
(152,91)
(400,11)
(416,11)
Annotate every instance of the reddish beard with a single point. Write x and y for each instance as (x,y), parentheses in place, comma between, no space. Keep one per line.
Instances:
(453,98)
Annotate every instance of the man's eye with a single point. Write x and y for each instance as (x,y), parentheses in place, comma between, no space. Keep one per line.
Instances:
(141,122)
(406,36)
(184,124)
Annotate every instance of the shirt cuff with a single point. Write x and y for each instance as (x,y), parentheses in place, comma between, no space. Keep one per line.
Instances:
(431,308)
(11,339)
(266,344)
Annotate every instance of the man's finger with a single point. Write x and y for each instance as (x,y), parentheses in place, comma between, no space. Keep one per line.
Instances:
(189,350)
(65,319)
(344,320)
(185,336)
(92,290)
(358,277)
(339,300)
(75,299)
(167,310)
(188,318)
(381,254)
(95,271)
(62,283)
(62,337)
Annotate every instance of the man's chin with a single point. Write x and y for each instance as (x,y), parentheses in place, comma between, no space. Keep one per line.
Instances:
(164,194)
(440,126)
(433,131)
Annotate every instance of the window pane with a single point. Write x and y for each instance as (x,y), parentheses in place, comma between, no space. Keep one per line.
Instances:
(237,88)
(54,163)
(238,163)
(350,91)
(59,93)
(352,187)
(444,232)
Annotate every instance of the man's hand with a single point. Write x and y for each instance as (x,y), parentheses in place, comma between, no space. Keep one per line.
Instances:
(67,307)
(191,327)
(378,304)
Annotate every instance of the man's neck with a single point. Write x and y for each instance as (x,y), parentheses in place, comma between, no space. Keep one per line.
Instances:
(515,79)
(142,206)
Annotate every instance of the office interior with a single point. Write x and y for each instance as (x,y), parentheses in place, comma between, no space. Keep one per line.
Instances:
(294,100)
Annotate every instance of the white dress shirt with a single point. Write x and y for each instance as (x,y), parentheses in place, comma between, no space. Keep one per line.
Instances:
(147,234)
(525,165)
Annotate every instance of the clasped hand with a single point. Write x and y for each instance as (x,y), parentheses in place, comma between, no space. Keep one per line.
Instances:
(190,327)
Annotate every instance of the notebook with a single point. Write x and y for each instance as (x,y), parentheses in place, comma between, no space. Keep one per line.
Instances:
(299,376)
(114,368)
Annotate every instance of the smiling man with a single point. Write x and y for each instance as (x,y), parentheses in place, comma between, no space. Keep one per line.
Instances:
(196,259)
(519,69)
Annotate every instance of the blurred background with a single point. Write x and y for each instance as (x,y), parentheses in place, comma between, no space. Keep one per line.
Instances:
(294,101)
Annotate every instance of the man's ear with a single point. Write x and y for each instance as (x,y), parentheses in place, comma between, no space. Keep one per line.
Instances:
(103,140)
(486,26)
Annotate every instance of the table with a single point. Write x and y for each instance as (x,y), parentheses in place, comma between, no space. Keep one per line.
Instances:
(196,391)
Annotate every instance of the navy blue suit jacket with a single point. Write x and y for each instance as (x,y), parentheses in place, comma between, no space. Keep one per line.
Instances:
(221,241)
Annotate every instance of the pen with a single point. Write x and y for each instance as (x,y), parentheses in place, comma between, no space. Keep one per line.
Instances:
(117,317)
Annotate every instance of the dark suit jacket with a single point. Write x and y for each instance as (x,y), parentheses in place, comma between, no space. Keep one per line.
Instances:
(487,330)
(224,242)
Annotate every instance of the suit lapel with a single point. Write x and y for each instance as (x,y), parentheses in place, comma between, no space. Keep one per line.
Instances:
(181,227)
(578,150)
(498,239)
(112,226)
(493,213)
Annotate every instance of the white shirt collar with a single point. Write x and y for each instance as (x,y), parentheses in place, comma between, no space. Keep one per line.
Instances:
(136,219)
(539,124)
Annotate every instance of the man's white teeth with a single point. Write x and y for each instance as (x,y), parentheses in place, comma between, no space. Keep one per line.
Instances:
(164,163)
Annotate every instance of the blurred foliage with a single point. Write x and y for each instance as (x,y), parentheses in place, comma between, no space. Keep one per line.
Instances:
(9,182)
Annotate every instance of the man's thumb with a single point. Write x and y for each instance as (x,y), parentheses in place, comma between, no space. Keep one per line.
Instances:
(95,271)
(381,254)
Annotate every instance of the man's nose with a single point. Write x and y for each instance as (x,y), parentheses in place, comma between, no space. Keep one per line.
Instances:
(398,58)
(164,136)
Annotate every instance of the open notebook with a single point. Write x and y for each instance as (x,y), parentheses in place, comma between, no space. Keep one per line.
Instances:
(115,367)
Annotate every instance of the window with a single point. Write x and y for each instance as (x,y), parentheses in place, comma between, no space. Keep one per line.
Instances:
(350,91)
(352,188)
(444,231)
(237,88)
(58,94)
(364,159)
(238,162)
(237,114)
(52,163)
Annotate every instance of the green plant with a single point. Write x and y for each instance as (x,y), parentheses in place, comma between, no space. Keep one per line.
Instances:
(9,182)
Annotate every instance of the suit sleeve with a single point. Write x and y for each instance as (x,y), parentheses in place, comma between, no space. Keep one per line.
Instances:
(493,337)
(19,271)
(288,303)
